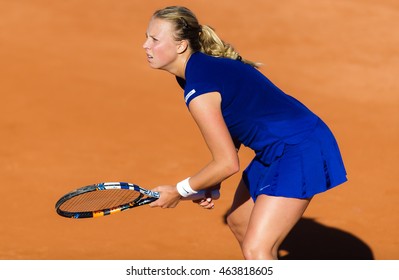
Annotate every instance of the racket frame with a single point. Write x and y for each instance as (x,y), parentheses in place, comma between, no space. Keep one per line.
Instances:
(145,197)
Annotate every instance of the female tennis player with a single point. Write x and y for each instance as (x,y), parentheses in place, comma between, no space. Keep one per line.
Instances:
(233,103)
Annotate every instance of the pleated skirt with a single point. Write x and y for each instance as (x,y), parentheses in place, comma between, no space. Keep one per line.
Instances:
(303,170)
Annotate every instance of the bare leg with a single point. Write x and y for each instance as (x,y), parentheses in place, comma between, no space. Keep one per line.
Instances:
(261,227)
(271,220)
(240,212)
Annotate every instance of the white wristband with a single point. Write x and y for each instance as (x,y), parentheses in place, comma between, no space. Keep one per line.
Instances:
(184,188)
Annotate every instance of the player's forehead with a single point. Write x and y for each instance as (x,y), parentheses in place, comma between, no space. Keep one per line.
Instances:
(159,28)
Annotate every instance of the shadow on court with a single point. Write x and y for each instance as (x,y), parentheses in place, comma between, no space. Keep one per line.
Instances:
(310,240)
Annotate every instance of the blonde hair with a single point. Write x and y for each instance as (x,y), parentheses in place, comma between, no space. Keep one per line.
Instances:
(201,38)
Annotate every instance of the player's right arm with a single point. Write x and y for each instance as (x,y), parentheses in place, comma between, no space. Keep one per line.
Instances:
(206,111)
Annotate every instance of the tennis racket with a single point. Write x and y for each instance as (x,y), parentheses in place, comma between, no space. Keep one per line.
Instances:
(108,198)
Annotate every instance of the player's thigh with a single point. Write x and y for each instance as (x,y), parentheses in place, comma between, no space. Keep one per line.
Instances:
(271,220)
(240,212)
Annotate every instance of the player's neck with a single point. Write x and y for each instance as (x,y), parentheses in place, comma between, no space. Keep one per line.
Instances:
(179,67)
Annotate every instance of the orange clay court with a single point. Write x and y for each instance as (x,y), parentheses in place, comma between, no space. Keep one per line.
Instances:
(80,105)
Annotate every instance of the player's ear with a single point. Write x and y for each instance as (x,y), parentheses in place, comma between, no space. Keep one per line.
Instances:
(182,46)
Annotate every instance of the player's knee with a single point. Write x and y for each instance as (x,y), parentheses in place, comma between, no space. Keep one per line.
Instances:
(234,224)
(237,228)
(253,251)
(230,221)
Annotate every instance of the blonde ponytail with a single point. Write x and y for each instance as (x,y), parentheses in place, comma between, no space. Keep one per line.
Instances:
(212,45)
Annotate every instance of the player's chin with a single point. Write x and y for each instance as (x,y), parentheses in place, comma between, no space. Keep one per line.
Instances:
(154,65)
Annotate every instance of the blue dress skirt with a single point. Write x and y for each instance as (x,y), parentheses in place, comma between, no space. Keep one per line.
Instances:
(302,170)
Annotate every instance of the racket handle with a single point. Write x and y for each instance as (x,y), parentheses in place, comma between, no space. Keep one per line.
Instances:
(214,194)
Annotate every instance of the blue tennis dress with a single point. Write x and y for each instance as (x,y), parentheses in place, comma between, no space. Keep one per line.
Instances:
(296,154)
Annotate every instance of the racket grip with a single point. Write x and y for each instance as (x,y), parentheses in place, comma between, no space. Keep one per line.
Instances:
(214,194)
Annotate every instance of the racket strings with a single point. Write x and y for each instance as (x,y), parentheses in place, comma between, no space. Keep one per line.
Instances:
(99,200)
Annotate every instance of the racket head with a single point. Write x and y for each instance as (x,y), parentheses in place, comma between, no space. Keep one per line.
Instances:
(103,199)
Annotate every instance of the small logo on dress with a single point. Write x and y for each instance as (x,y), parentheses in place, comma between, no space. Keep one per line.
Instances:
(265,187)
(189,95)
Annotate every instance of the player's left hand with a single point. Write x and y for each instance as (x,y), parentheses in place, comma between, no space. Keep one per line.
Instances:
(206,203)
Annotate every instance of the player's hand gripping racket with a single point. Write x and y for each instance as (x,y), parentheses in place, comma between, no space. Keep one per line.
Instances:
(108,198)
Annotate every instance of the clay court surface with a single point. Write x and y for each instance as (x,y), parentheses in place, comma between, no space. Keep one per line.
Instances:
(80,105)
